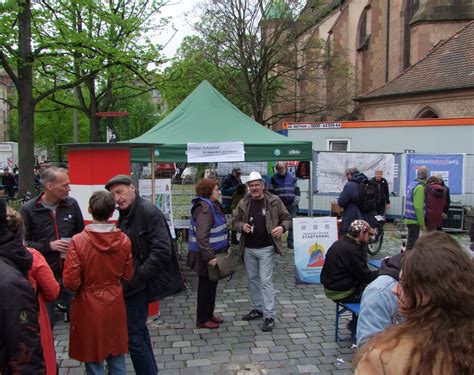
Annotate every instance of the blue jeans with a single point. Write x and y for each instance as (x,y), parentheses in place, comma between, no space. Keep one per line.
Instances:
(115,364)
(292,211)
(259,267)
(139,343)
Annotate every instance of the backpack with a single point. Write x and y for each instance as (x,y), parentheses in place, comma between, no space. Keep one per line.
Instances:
(367,196)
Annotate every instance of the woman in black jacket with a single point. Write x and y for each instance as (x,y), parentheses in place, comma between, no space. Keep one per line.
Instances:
(20,343)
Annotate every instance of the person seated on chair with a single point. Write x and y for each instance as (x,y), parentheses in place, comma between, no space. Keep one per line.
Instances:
(378,307)
(435,297)
(345,272)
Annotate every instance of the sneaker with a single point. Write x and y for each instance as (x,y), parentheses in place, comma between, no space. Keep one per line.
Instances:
(268,325)
(254,314)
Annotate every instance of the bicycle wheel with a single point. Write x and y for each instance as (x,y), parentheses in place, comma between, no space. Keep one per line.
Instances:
(374,247)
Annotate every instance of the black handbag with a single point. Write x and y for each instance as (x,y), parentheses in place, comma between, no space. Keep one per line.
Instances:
(226,265)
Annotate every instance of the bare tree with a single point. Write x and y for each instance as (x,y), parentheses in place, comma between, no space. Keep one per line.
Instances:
(262,51)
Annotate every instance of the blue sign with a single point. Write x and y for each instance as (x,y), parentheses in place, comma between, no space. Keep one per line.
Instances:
(450,167)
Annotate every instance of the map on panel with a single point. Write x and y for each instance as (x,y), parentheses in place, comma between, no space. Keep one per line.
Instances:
(331,167)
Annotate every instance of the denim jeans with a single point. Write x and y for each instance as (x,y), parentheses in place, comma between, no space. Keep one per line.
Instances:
(259,267)
(292,211)
(116,366)
(139,343)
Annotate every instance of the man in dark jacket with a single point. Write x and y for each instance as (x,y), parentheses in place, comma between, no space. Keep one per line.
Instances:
(51,219)
(228,188)
(283,185)
(381,191)
(349,200)
(20,343)
(345,272)
(157,272)
(8,182)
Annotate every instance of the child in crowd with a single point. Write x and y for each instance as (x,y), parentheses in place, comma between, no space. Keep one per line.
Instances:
(98,260)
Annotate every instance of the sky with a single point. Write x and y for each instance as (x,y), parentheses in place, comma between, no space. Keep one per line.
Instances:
(182,16)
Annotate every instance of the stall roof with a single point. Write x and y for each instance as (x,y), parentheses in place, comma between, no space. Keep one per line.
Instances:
(206,116)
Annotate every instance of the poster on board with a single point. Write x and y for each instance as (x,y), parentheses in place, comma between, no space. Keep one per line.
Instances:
(312,239)
(330,176)
(449,166)
(163,197)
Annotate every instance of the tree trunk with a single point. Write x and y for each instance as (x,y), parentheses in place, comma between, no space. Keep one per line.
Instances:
(93,119)
(26,104)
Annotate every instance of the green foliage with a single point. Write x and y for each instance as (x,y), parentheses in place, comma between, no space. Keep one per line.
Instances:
(196,61)
(142,116)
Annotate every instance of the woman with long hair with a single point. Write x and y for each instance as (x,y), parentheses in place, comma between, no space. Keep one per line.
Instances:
(208,235)
(436,298)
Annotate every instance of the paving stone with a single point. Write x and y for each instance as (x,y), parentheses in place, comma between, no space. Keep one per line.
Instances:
(301,343)
(308,369)
(198,362)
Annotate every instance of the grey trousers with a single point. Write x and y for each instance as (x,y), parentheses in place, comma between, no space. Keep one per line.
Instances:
(259,267)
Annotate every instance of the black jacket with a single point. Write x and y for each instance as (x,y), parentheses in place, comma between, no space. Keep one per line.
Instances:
(346,266)
(156,264)
(349,201)
(20,343)
(381,191)
(42,227)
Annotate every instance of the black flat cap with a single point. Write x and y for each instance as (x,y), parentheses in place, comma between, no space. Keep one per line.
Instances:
(119,179)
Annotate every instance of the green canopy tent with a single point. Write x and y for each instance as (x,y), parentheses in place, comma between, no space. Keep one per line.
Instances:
(207,117)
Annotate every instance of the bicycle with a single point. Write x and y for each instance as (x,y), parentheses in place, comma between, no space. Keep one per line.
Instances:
(375,241)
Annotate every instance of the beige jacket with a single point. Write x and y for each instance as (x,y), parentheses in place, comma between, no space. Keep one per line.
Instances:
(392,361)
(277,215)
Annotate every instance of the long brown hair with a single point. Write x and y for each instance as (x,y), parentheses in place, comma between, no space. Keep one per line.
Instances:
(438,305)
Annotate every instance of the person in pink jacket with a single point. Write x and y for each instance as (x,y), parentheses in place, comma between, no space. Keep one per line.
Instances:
(46,287)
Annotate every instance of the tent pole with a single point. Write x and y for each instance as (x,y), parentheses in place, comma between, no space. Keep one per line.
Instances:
(153,174)
(310,196)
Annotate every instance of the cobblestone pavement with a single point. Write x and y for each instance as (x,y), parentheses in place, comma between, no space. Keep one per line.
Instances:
(301,343)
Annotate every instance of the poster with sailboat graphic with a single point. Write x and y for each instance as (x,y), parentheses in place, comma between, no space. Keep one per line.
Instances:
(312,239)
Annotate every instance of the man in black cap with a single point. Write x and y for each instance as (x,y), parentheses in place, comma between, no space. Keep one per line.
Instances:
(157,272)
(345,271)
(20,343)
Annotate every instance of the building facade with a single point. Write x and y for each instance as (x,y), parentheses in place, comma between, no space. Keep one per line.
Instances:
(378,41)
(5,87)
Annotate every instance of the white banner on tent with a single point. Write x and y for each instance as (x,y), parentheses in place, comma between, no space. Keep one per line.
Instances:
(215,152)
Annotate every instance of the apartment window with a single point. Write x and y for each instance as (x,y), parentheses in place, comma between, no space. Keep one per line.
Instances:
(338,144)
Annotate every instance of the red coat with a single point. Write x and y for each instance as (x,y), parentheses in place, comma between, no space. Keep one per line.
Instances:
(98,259)
(42,278)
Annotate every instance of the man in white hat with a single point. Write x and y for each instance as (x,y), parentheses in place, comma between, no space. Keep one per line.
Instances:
(261,218)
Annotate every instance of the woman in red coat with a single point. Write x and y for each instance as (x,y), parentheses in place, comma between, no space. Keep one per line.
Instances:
(46,287)
(98,259)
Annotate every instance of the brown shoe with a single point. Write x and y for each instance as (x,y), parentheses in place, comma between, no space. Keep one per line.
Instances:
(217,319)
(209,324)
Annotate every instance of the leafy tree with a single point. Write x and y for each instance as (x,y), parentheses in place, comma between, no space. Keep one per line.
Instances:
(63,44)
(142,116)
(196,60)
(264,61)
